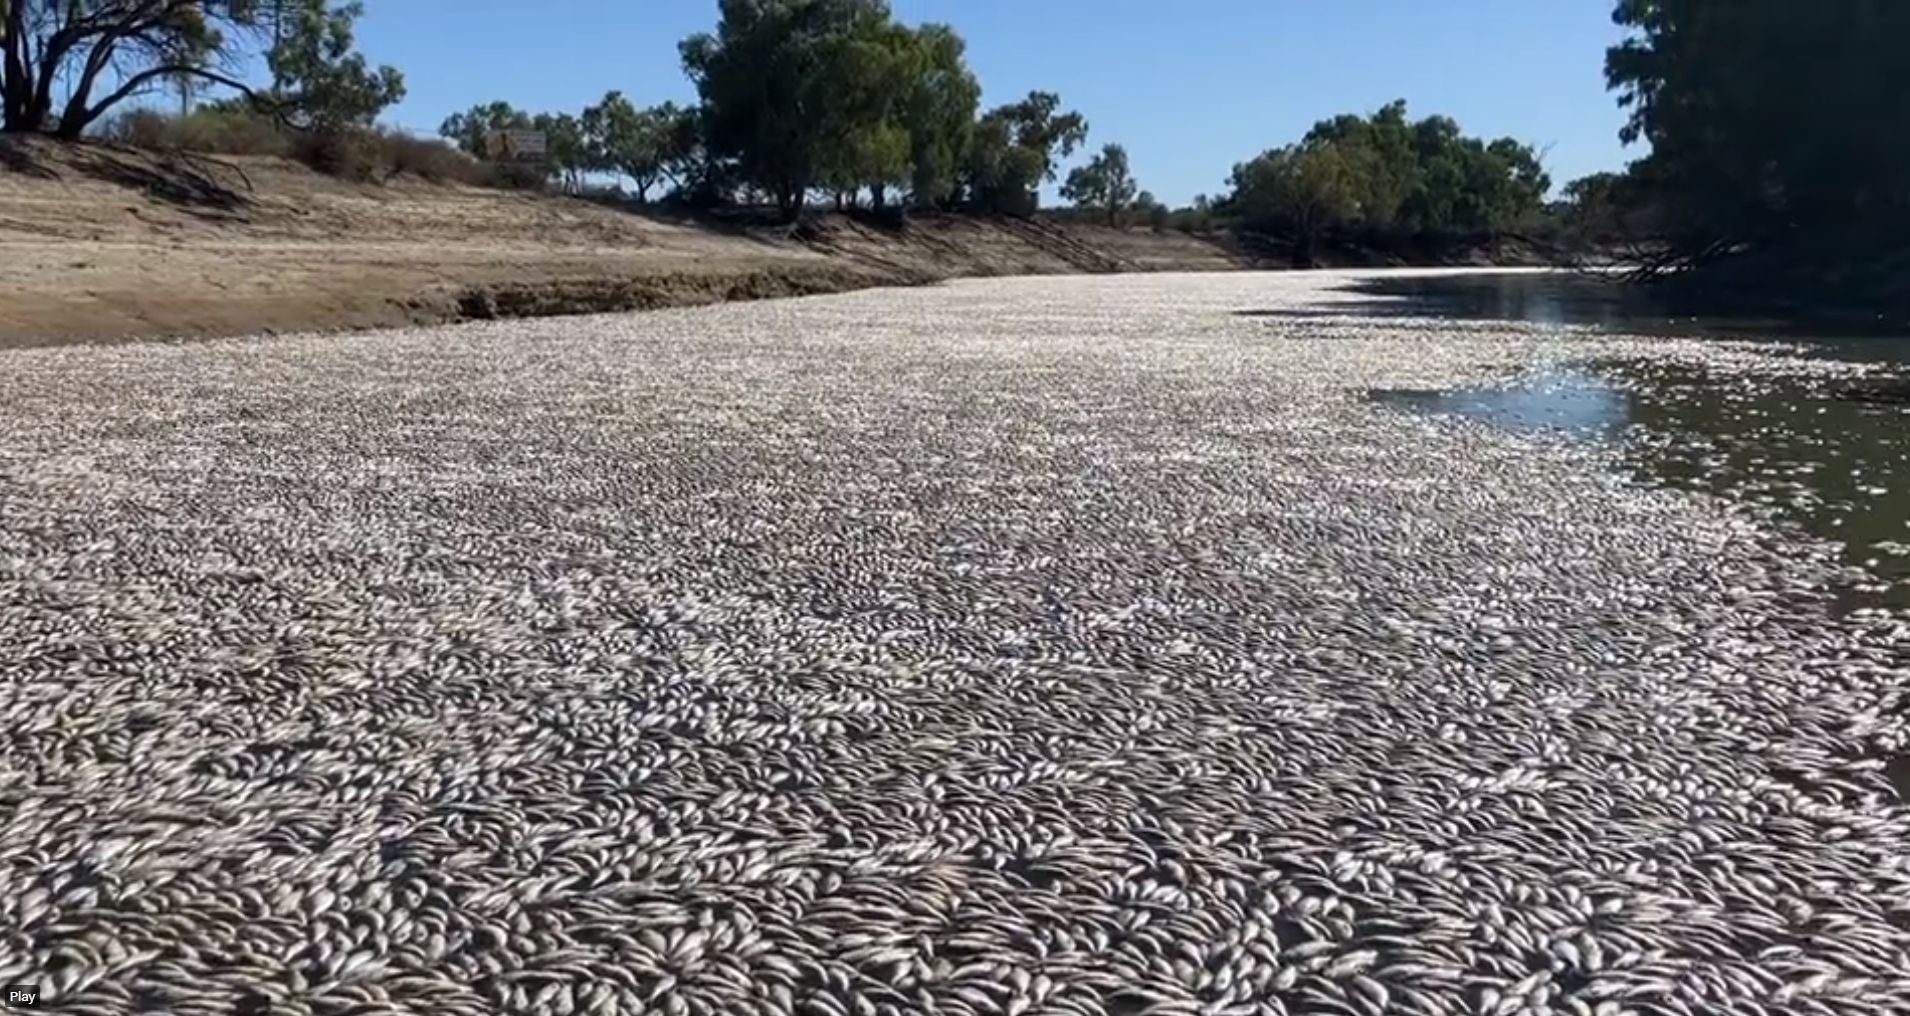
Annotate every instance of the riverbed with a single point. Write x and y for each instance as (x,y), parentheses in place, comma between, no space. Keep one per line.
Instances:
(1177,643)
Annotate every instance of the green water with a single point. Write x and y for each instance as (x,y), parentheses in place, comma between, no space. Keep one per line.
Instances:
(1830,458)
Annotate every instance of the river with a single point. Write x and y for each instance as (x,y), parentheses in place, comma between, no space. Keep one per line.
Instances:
(1832,460)
(1074,645)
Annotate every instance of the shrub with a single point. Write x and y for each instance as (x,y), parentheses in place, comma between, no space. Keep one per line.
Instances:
(213,130)
(369,154)
(346,154)
(428,158)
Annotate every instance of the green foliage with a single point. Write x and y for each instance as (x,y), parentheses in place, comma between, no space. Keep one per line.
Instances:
(832,94)
(767,77)
(567,151)
(320,82)
(1105,184)
(71,50)
(1779,132)
(1197,217)
(641,144)
(864,74)
(1389,179)
(1159,217)
(999,175)
(471,130)
(1602,209)
(938,113)
(1016,147)
(214,128)
(1305,188)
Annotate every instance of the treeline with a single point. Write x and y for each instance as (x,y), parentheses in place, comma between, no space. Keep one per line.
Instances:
(798,102)
(1780,148)
(1387,182)
(805,97)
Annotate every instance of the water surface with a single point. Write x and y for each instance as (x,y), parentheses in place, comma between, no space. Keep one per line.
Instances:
(1830,458)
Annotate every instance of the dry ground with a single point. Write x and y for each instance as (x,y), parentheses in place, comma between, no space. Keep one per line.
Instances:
(102,243)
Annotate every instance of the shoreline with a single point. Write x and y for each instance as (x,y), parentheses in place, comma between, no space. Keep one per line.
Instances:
(104,244)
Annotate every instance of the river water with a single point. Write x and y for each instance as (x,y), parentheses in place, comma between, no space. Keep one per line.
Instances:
(1833,460)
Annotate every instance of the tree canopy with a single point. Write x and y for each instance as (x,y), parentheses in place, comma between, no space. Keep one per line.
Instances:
(833,94)
(471,130)
(1779,133)
(1386,177)
(319,80)
(66,63)
(1105,184)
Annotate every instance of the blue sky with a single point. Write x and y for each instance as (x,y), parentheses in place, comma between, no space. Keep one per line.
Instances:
(1189,86)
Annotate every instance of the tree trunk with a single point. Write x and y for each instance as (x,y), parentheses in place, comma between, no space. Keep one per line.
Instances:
(15,73)
(875,196)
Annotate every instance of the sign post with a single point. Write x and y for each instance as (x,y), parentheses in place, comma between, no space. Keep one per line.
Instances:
(518,146)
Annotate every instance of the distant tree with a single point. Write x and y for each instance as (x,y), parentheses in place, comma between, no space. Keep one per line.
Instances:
(471,130)
(1040,126)
(863,78)
(1388,180)
(644,145)
(1307,188)
(1598,207)
(1017,147)
(567,153)
(1000,175)
(1105,184)
(1159,217)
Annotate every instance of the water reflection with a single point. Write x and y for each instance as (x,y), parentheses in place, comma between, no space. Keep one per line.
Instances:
(1833,461)
(1568,400)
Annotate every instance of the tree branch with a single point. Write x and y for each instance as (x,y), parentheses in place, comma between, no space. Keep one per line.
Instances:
(138,81)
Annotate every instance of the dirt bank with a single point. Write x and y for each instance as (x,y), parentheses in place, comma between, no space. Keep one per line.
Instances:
(100,243)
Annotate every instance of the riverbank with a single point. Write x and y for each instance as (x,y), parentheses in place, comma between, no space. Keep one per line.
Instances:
(101,243)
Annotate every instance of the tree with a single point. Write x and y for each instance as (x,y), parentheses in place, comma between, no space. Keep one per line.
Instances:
(1598,207)
(768,77)
(471,130)
(1039,126)
(566,153)
(1018,146)
(694,171)
(92,55)
(1158,215)
(1000,176)
(319,81)
(1307,188)
(865,76)
(1779,135)
(939,113)
(641,144)
(75,48)
(1105,183)
(1390,181)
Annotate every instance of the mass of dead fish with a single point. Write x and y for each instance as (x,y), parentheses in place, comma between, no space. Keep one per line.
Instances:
(1068,646)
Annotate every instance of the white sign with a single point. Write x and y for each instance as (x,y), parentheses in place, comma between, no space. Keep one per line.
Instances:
(518,146)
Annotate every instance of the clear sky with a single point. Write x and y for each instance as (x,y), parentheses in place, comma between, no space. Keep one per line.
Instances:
(1189,86)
